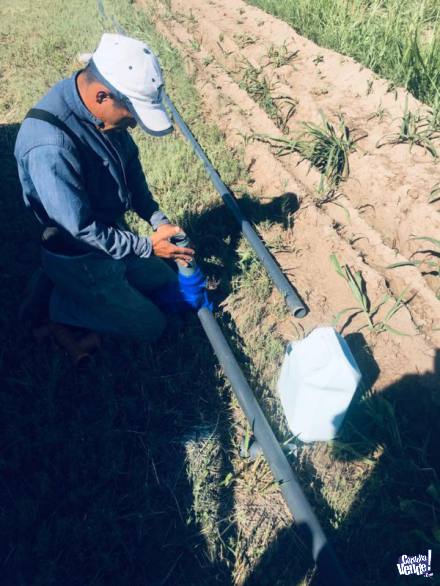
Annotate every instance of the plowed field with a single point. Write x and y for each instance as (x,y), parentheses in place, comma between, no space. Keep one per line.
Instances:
(385,200)
(129,471)
(260,82)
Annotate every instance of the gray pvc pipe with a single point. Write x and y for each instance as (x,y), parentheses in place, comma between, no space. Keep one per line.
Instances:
(330,571)
(293,302)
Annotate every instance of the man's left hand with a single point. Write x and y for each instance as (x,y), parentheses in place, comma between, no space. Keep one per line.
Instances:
(164,248)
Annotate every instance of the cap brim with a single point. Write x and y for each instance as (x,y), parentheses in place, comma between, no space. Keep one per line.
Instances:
(152,118)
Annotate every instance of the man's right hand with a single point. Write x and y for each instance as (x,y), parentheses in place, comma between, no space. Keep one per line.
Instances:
(165,249)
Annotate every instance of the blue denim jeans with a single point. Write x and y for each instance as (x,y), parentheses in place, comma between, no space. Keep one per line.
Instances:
(107,295)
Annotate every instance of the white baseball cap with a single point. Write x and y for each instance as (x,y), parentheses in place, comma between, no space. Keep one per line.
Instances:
(130,69)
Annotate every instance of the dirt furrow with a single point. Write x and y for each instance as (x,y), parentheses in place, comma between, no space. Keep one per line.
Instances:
(314,237)
(389,186)
(425,306)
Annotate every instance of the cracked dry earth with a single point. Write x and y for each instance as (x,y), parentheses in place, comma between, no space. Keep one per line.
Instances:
(380,206)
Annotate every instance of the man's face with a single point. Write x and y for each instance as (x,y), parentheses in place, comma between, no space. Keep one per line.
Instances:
(115,114)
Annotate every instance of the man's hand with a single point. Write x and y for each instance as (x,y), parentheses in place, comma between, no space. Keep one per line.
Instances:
(165,249)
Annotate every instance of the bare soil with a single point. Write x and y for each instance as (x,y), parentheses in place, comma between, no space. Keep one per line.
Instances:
(382,204)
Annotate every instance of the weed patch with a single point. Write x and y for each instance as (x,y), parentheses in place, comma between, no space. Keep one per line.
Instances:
(415,129)
(279,108)
(326,147)
(364,306)
(278,56)
(430,264)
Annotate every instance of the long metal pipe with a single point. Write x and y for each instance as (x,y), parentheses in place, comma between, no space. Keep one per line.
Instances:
(330,571)
(292,300)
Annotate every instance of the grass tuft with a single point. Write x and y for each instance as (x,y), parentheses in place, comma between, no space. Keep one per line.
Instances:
(326,147)
(279,108)
(278,56)
(430,264)
(357,286)
(244,40)
(415,129)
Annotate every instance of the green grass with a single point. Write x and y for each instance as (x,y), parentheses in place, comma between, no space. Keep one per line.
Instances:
(262,89)
(280,56)
(357,286)
(428,259)
(327,148)
(398,39)
(244,40)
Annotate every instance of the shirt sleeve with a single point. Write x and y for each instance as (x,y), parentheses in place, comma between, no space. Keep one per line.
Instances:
(142,199)
(56,175)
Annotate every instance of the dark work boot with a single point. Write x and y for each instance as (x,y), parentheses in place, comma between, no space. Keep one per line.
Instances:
(34,308)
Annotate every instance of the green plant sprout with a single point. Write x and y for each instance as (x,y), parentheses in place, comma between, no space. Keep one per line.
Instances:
(357,286)
(434,114)
(327,148)
(279,56)
(208,60)
(260,88)
(431,260)
(286,109)
(318,59)
(392,89)
(182,18)
(195,45)
(244,40)
(415,129)
(435,193)
(380,113)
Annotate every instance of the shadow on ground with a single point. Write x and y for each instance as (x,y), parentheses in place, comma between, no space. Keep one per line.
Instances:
(217,233)
(93,473)
(397,509)
(93,478)
(94,486)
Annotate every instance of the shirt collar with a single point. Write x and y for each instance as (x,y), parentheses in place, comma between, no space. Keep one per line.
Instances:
(75,103)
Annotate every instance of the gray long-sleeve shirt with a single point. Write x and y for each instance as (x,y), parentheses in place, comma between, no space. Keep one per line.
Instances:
(86,192)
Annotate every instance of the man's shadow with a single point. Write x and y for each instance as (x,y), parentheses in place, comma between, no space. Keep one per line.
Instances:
(94,480)
(216,234)
(397,508)
(94,463)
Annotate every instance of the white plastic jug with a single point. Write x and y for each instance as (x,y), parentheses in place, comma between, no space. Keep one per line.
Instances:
(317,381)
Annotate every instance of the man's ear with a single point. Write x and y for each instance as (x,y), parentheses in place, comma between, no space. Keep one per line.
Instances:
(101,96)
